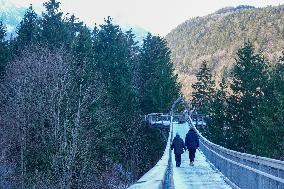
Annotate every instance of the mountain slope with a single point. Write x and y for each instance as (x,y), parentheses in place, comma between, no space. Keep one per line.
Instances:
(11,15)
(216,38)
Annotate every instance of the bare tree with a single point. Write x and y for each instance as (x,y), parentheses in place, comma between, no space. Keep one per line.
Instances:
(47,119)
(58,126)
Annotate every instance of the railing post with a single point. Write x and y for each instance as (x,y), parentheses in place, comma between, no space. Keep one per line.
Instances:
(168,180)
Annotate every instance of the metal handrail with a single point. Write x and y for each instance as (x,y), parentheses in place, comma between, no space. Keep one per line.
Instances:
(160,176)
(249,157)
(243,170)
(240,169)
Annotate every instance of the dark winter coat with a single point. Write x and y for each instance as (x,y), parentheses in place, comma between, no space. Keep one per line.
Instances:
(178,145)
(191,140)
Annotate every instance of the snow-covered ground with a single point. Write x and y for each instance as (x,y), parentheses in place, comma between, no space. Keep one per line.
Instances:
(201,175)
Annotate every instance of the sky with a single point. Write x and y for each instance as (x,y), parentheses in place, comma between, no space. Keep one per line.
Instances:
(156,16)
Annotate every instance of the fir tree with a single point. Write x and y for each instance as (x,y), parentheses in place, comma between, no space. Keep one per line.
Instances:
(268,131)
(73,28)
(203,89)
(57,30)
(114,61)
(52,24)
(3,50)
(217,115)
(158,83)
(83,47)
(113,53)
(28,30)
(249,87)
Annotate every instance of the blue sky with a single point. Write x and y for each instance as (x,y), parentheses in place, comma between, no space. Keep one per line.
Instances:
(156,16)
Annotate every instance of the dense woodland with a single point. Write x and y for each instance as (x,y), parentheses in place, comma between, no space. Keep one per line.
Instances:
(73,101)
(217,37)
(245,112)
(230,64)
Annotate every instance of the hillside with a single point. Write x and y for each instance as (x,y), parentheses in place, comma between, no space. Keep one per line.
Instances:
(216,37)
(11,15)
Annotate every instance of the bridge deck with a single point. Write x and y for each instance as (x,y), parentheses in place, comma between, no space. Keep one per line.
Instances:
(201,175)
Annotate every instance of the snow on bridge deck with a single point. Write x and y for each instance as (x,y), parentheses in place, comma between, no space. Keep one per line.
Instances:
(201,175)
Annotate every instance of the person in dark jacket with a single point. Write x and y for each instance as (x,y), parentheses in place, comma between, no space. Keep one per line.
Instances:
(178,146)
(192,143)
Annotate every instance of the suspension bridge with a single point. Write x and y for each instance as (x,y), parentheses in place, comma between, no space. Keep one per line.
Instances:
(215,166)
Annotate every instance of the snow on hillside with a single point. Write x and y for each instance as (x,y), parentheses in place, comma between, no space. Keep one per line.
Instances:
(11,15)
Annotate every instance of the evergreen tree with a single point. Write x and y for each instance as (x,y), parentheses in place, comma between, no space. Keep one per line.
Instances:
(157,88)
(113,53)
(57,30)
(203,89)
(217,115)
(76,116)
(114,62)
(249,87)
(73,28)
(158,84)
(3,50)
(52,25)
(268,131)
(82,49)
(28,30)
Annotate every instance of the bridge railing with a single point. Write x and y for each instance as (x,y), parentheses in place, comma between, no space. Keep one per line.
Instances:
(160,176)
(246,171)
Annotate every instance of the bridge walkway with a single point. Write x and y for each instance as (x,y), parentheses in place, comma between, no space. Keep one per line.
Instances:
(199,176)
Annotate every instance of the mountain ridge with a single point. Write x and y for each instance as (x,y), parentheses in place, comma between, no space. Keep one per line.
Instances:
(216,37)
(12,14)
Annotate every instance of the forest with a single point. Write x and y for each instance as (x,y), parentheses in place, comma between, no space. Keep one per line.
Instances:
(73,101)
(245,111)
(73,98)
(230,64)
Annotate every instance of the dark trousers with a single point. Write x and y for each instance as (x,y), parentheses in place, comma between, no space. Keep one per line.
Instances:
(191,154)
(178,159)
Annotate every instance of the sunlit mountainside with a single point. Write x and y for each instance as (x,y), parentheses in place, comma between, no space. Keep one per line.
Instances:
(216,38)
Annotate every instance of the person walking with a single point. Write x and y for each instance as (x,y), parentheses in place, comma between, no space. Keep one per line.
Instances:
(192,143)
(178,146)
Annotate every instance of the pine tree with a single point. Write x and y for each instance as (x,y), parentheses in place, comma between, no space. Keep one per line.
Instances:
(57,30)
(249,87)
(28,30)
(113,53)
(82,49)
(269,132)
(157,89)
(3,50)
(217,115)
(158,83)
(73,28)
(203,89)
(114,62)
(52,24)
